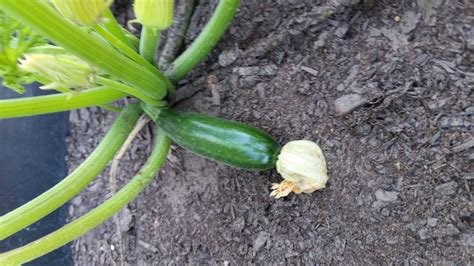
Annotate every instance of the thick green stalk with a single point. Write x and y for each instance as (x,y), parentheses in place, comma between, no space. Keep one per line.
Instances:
(56,196)
(43,19)
(57,102)
(127,89)
(67,90)
(149,41)
(206,40)
(98,215)
(103,106)
(117,43)
(132,54)
(114,28)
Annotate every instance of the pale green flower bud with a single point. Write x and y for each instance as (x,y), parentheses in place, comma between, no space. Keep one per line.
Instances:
(63,71)
(155,14)
(83,12)
(303,166)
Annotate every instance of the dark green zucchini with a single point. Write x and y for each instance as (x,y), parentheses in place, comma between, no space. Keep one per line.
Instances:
(225,141)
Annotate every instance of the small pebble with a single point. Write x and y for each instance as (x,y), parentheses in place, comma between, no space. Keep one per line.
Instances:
(125,219)
(448,230)
(391,240)
(470,44)
(424,233)
(385,212)
(386,196)
(260,89)
(432,221)
(347,103)
(226,58)
(268,70)
(260,240)
(447,189)
(467,240)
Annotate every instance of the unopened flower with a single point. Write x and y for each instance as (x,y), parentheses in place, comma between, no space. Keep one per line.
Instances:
(63,71)
(155,14)
(83,12)
(303,167)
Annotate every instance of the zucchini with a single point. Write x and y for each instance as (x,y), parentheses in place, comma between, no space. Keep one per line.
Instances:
(232,143)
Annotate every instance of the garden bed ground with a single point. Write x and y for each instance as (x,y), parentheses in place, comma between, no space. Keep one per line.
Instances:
(387,93)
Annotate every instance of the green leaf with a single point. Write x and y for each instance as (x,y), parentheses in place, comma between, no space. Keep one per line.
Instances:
(15,40)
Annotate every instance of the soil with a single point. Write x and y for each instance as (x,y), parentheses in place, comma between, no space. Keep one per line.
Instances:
(386,90)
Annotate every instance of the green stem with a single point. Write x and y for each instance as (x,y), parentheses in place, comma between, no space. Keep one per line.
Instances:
(117,43)
(67,90)
(206,40)
(98,215)
(103,106)
(57,102)
(56,196)
(132,54)
(129,90)
(114,28)
(149,41)
(43,19)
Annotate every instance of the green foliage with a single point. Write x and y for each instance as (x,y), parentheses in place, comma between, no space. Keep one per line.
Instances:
(15,39)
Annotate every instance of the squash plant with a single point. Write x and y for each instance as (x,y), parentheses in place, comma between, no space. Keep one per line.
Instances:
(77,48)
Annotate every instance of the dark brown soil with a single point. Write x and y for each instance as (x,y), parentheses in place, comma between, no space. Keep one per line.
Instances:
(391,104)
